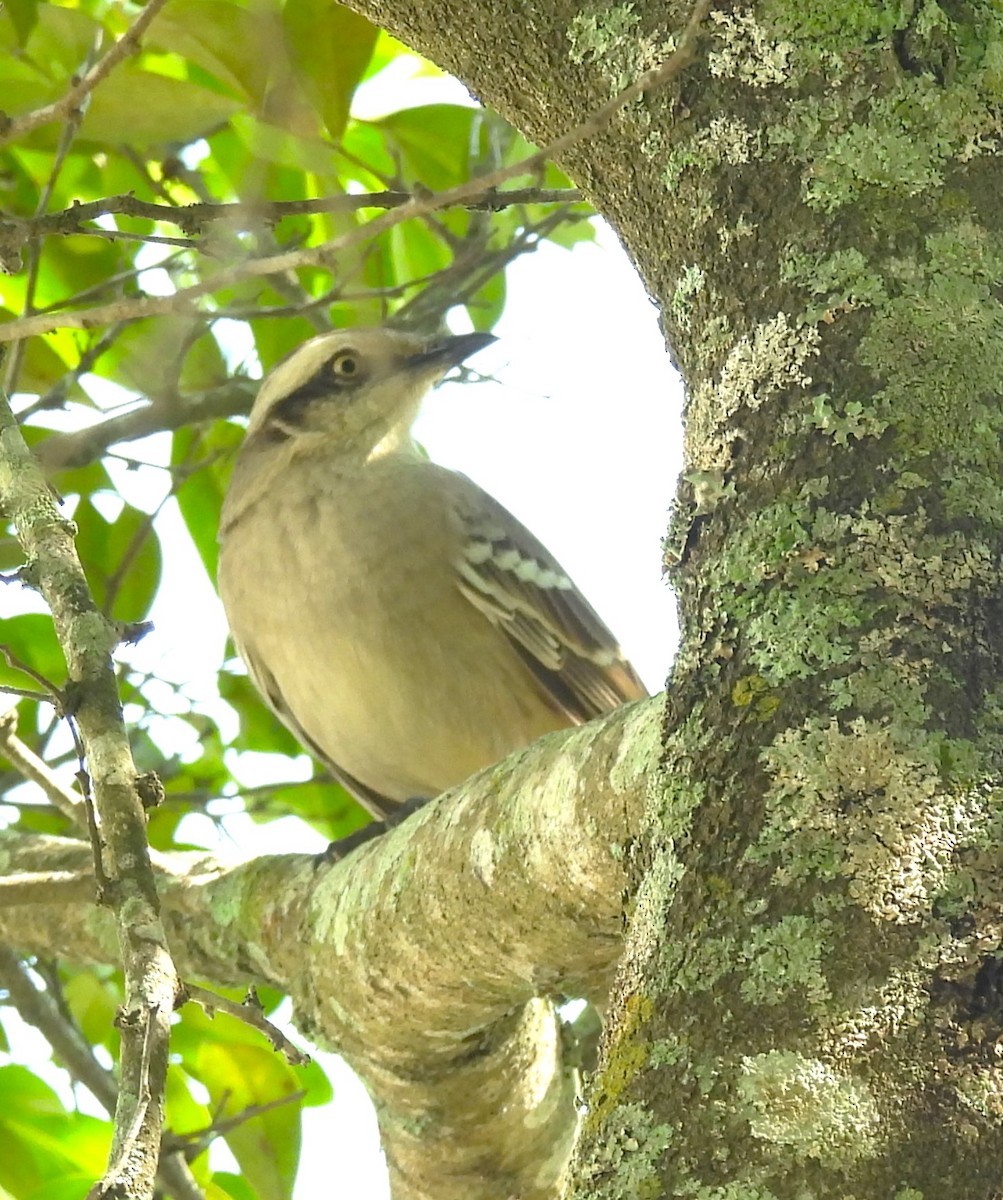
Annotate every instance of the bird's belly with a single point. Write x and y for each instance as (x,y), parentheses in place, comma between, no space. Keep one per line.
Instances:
(362,666)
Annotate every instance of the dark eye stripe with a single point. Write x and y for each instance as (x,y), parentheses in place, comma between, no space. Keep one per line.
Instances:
(292,410)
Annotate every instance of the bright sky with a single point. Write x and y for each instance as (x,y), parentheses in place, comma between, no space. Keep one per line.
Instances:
(580,438)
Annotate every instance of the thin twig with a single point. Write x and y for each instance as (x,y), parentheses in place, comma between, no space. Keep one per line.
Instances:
(17,127)
(416,206)
(251,1013)
(253,213)
(27,764)
(221,1126)
(52,693)
(432,294)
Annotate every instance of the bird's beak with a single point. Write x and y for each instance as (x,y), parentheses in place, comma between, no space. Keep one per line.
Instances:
(448,352)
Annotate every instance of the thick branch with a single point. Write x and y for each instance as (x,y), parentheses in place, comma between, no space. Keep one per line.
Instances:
(450,1034)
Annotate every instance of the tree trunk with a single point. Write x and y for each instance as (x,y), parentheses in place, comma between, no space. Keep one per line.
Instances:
(810,985)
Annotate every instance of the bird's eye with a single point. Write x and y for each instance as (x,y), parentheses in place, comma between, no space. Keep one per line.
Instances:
(345,366)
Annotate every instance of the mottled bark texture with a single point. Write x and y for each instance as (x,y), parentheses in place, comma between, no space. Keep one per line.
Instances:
(810,1001)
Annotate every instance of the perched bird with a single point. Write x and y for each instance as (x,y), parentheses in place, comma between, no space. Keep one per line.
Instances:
(405,626)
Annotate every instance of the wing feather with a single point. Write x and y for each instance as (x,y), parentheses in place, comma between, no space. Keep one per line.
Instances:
(521,588)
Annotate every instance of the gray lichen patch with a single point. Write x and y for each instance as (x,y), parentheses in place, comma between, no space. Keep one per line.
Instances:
(758,367)
(808,1107)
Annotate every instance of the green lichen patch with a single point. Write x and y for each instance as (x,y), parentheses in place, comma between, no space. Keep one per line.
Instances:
(784,958)
(625,1161)
(748,51)
(853,802)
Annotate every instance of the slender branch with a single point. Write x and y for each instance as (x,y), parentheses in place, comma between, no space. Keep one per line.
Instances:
(250,1013)
(248,214)
(221,1126)
(27,764)
(17,127)
(469,271)
(419,205)
(84,445)
(88,639)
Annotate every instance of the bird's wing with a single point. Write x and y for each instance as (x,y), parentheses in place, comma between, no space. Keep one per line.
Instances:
(521,588)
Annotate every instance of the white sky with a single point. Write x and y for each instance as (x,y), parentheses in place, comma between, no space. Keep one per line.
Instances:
(580,438)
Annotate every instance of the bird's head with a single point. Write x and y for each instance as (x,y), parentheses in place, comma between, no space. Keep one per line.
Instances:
(361,388)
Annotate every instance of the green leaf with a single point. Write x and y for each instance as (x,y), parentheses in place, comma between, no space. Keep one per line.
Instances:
(32,638)
(60,42)
(46,1151)
(41,365)
(260,729)
(240,1070)
(184,1113)
(417,252)
(204,366)
(220,37)
(434,142)
(23,15)
(233,1186)
(148,109)
(94,1001)
(486,304)
(149,356)
(122,559)
(331,48)
(281,147)
(573,231)
(388,48)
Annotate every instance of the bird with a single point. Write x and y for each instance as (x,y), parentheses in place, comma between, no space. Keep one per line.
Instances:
(403,625)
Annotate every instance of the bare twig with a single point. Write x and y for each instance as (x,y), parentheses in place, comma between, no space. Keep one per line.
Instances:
(51,693)
(56,396)
(416,206)
(84,445)
(27,764)
(251,1013)
(17,127)
(251,214)
(221,1126)
(452,285)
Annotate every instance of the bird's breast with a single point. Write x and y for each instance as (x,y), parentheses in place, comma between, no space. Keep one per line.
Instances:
(347,597)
